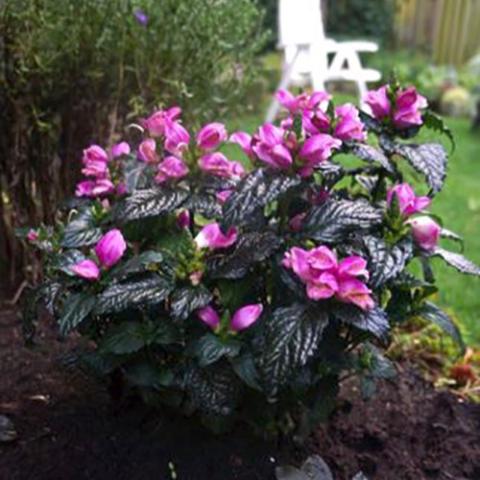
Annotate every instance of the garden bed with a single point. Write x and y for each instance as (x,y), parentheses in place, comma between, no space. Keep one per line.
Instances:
(68,429)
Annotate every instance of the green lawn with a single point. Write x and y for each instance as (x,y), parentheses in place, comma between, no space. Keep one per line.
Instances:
(458,205)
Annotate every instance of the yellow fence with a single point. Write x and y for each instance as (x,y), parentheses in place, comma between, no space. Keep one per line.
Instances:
(447,29)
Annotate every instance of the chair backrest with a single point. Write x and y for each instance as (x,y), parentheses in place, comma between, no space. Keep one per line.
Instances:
(300,22)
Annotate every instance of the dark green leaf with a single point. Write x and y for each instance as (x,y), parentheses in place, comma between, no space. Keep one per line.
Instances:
(374,321)
(292,336)
(213,389)
(458,261)
(244,367)
(134,172)
(331,172)
(151,202)
(149,291)
(255,191)
(149,376)
(434,314)
(209,348)
(372,155)
(333,220)
(204,204)
(185,300)
(138,264)
(370,122)
(76,308)
(251,248)
(385,262)
(82,230)
(380,366)
(434,122)
(429,159)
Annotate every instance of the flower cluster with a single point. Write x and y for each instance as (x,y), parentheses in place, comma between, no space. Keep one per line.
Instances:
(326,277)
(242,282)
(109,250)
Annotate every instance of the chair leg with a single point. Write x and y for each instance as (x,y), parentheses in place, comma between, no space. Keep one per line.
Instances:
(284,83)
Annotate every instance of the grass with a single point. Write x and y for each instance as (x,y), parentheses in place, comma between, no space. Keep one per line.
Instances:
(459,207)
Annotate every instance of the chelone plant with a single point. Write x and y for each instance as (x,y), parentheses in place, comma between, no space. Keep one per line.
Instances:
(249,290)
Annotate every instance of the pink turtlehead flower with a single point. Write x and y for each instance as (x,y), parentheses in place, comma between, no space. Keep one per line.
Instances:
(318,99)
(211,136)
(325,277)
(147,151)
(349,126)
(353,266)
(354,291)
(155,123)
(183,219)
(119,149)
(378,102)
(408,203)
(212,237)
(209,316)
(95,169)
(218,164)
(292,103)
(245,317)
(223,195)
(141,17)
(318,196)
(102,186)
(94,153)
(32,235)
(295,223)
(171,168)
(86,269)
(84,188)
(110,248)
(316,121)
(244,140)
(407,108)
(426,232)
(176,138)
(269,146)
(319,148)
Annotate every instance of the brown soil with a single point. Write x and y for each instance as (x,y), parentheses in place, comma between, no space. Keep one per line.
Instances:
(68,429)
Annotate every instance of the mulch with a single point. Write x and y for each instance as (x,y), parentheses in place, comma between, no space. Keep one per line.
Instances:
(68,429)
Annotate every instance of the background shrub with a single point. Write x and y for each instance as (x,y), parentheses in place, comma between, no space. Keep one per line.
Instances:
(72,71)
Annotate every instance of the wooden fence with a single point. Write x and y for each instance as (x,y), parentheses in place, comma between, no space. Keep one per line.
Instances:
(449,30)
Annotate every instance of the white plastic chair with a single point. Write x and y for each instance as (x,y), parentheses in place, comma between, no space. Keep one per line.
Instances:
(306,52)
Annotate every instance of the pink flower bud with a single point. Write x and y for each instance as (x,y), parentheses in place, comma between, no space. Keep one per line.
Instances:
(87,269)
(176,138)
(245,317)
(147,151)
(408,203)
(110,248)
(212,237)
(211,136)
(378,102)
(244,140)
(209,316)
(407,108)
(155,124)
(292,103)
(32,235)
(119,149)
(349,125)
(94,153)
(222,196)
(183,219)
(95,168)
(319,148)
(270,147)
(103,186)
(84,188)
(171,168)
(218,164)
(425,232)
(196,278)
(354,291)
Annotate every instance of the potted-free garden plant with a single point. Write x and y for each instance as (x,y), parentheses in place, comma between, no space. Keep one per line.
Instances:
(248,291)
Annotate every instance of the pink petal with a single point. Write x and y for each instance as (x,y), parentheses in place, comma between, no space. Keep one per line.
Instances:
(110,248)
(87,269)
(354,266)
(245,317)
(209,316)
(211,236)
